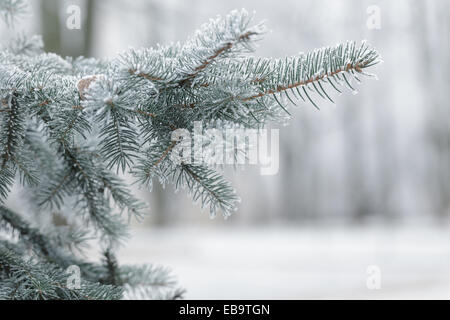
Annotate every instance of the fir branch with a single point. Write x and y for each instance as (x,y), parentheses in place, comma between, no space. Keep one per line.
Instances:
(218,52)
(12,132)
(120,116)
(150,282)
(216,40)
(7,175)
(45,246)
(12,128)
(31,235)
(154,163)
(146,114)
(112,267)
(32,281)
(317,79)
(209,187)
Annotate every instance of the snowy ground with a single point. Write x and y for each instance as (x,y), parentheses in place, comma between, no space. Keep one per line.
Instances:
(299,263)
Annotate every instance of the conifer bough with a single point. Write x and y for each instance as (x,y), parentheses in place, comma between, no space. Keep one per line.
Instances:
(69,127)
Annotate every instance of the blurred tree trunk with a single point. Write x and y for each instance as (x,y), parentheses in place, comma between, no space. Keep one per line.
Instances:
(50,25)
(359,196)
(158,201)
(89,27)
(432,27)
(388,175)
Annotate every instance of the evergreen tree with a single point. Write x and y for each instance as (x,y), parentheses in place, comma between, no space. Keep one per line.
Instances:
(70,128)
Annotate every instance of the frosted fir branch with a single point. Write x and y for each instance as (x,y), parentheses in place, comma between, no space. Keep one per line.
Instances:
(155,163)
(13,126)
(46,247)
(7,177)
(155,65)
(322,66)
(216,40)
(12,131)
(150,282)
(94,206)
(27,280)
(49,248)
(79,120)
(93,186)
(216,54)
(209,188)
(238,91)
(31,235)
(299,76)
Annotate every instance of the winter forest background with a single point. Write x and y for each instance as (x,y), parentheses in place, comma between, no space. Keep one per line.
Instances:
(365,182)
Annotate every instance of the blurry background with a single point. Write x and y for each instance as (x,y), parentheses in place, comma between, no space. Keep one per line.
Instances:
(363,182)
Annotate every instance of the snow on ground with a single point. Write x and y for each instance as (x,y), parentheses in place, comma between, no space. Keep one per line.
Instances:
(299,263)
